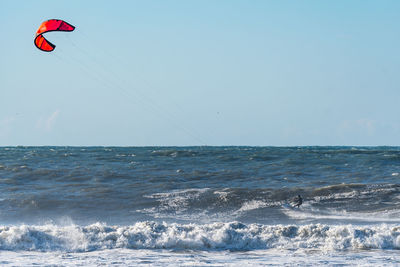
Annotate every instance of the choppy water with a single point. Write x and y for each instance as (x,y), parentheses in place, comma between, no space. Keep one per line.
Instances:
(199,205)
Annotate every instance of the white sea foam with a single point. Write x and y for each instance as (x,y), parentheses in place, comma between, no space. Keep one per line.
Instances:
(180,194)
(210,237)
(252,205)
(223,195)
(270,257)
(307,212)
(177,201)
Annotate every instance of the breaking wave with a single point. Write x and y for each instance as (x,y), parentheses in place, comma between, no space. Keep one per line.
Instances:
(234,236)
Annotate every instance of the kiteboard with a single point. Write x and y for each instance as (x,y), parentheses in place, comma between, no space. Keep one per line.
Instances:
(289,206)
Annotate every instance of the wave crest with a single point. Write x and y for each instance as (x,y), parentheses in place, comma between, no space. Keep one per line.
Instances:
(216,236)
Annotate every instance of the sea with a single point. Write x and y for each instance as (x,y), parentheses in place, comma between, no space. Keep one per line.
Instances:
(199,206)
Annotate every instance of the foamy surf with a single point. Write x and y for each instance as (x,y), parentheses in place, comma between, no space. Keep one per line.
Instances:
(233,236)
(163,257)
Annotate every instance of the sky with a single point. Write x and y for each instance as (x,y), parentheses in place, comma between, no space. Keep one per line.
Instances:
(181,73)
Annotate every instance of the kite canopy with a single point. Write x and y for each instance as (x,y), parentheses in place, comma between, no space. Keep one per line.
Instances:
(49,26)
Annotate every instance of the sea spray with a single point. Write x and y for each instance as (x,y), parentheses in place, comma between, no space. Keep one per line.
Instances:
(233,236)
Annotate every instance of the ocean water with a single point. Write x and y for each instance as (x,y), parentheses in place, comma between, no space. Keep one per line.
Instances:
(199,206)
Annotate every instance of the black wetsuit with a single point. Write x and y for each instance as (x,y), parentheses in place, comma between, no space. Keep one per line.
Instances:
(299,201)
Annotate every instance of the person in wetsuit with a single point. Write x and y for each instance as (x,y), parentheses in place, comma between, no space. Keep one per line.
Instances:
(298,201)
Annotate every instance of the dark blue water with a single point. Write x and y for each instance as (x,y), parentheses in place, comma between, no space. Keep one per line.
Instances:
(162,201)
(123,185)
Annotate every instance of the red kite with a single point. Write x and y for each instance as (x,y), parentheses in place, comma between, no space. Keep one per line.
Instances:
(49,26)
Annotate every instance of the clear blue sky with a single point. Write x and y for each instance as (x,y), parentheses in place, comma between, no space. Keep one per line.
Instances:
(137,73)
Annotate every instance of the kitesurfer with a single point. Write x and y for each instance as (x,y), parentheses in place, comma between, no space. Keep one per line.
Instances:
(298,201)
